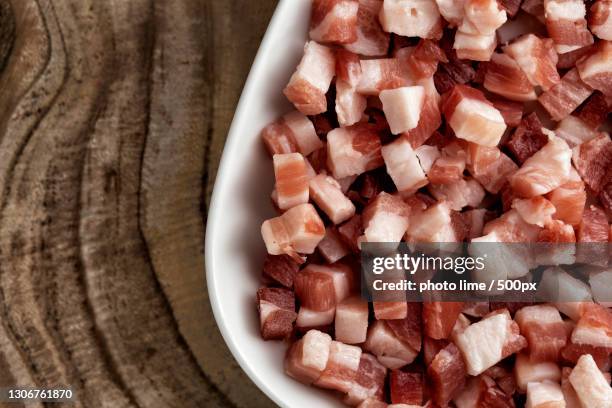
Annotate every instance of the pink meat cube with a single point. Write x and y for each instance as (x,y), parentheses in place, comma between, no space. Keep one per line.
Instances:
(563,98)
(544,395)
(292,133)
(543,172)
(380,74)
(341,369)
(506,78)
(432,225)
(569,394)
(593,227)
(352,320)
(489,166)
(291,180)
(596,69)
(298,230)
(369,384)
(545,331)
(499,332)
(482,17)
(390,310)
(593,160)
(594,111)
(429,121)
(592,388)
(276,312)
(439,318)
(309,84)
(594,327)
(452,11)
(447,373)
(566,24)
(307,358)
(348,67)
(459,194)
(327,194)
(427,156)
(537,58)
(409,329)
(527,371)
(372,41)
(312,319)
(477,47)
(536,210)
(424,58)
(281,269)
(569,199)
(332,247)
(406,388)
(511,111)
(384,344)
(447,169)
(372,402)
(403,166)
(600,19)
(353,150)
(402,107)
(350,105)
(472,117)
(351,231)
(334,21)
(315,289)
(411,18)
(385,219)
(527,139)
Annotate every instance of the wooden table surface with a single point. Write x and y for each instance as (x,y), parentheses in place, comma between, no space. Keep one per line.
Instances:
(113,115)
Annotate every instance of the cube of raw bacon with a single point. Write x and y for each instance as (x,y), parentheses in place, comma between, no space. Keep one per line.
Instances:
(342,276)
(489,166)
(341,369)
(511,6)
(380,74)
(477,47)
(402,107)
(411,18)
(403,166)
(307,358)
(326,193)
(351,231)
(593,160)
(298,230)
(505,77)
(474,221)
(348,67)
(527,139)
(563,98)
(545,394)
(574,131)
(566,24)
(537,58)
(556,232)
(447,373)
(455,72)
(385,219)
(369,383)
(372,41)
(544,330)
(408,329)
(373,403)
(472,117)
(312,319)
(569,394)
(596,69)
(291,180)
(452,11)
(353,150)
(390,310)
(431,348)
(427,156)
(536,210)
(276,312)
(459,194)
(432,225)
(350,105)
(601,285)
(594,226)
(511,227)
(292,133)
(482,17)
(315,289)
(594,111)
(569,59)
(429,121)
(334,21)
(594,327)
(543,172)
(439,318)
(527,371)
(600,19)
(384,344)
(498,332)
(511,111)
(592,388)
(406,388)
(535,8)
(601,355)
(569,199)
(424,59)
(352,320)
(447,169)
(311,80)
(332,247)
(504,378)
(558,284)
(281,269)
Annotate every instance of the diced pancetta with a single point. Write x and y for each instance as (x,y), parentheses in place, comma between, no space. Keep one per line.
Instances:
(569,394)
(544,330)
(390,310)
(276,312)
(439,318)
(380,74)
(327,194)
(348,67)
(350,105)
(571,292)
(537,58)
(291,180)
(409,329)
(373,403)
(334,21)
(543,172)
(351,231)
(298,231)
(292,133)
(574,131)
(447,169)
(427,156)
(403,166)
(594,327)
(402,107)
(309,84)
(406,388)
(351,324)
(511,111)
(332,247)
(385,219)
(590,385)
(505,77)
(527,371)
(430,118)
(477,47)
(311,319)
(485,343)
(594,226)
(353,150)
(371,41)
(569,199)
(596,69)
(452,10)
(482,17)
(281,269)
(432,225)
(489,166)
(600,19)
(341,369)
(390,351)
(566,24)
(315,289)
(527,139)
(455,72)
(511,6)
(594,111)
(307,358)
(472,117)
(369,383)
(536,210)
(459,194)
(545,394)
(424,59)
(447,373)
(411,18)
(593,161)
(601,286)
(563,98)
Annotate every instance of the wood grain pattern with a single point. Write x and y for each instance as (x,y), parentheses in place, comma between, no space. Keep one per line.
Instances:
(113,115)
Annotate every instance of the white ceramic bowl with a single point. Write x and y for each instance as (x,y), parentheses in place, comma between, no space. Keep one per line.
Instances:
(241,202)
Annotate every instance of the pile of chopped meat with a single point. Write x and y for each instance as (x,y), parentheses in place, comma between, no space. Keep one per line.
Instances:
(442,121)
